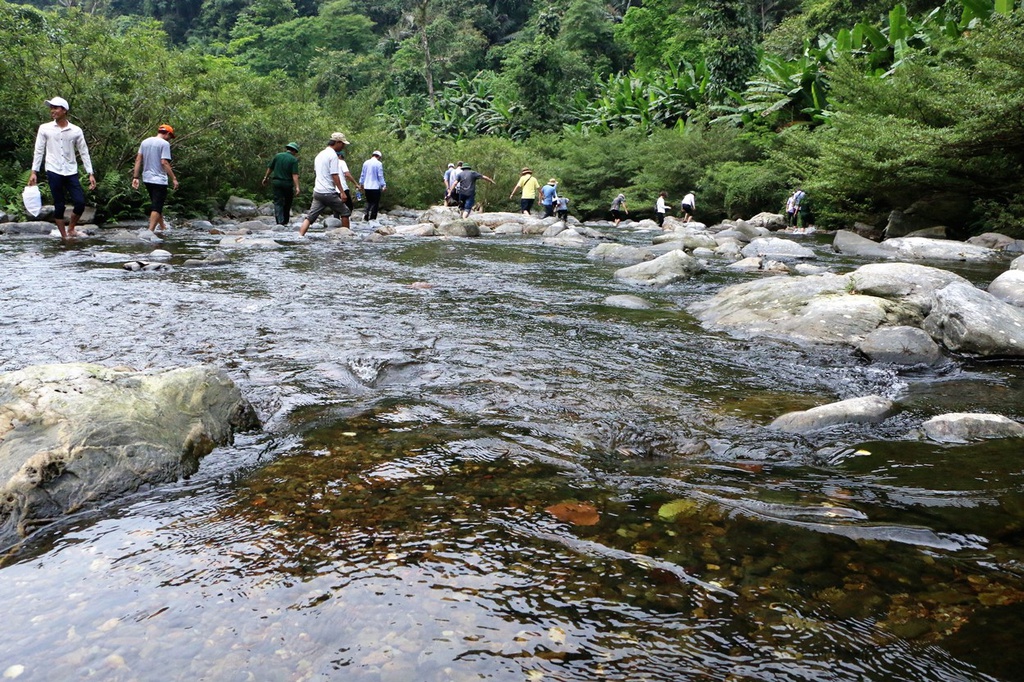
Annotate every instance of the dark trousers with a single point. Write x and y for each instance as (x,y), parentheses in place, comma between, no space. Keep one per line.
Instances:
(660,219)
(549,210)
(372,203)
(69,186)
(283,195)
(157,197)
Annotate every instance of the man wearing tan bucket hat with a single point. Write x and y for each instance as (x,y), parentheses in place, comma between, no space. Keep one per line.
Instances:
(529,185)
(153,165)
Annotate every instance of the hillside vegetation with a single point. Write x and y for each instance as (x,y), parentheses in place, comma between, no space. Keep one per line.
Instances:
(869,106)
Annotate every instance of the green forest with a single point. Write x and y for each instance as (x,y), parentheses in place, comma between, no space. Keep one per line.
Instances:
(867,105)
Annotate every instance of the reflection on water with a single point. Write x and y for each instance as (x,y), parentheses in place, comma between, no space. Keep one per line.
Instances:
(492,475)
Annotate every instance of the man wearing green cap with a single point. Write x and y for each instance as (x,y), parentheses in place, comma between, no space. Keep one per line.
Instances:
(283,174)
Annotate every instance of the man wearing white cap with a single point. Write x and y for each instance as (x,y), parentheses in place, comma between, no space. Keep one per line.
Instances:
(371,181)
(328,192)
(57,142)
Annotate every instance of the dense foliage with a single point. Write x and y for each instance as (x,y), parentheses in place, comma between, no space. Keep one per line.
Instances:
(870,106)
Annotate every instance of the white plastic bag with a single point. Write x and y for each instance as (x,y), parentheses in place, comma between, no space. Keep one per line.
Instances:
(33,200)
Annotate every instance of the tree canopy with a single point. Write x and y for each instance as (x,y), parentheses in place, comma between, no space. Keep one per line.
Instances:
(868,105)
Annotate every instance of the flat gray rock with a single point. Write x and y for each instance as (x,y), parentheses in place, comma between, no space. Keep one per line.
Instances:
(628,301)
(870,409)
(963,427)
(920,248)
(901,346)
(776,247)
(619,253)
(675,266)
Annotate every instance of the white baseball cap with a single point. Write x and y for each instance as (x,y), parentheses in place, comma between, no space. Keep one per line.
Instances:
(376,152)
(58,102)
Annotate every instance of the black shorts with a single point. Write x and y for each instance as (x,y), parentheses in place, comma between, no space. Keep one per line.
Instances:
(157,196)
(687,208)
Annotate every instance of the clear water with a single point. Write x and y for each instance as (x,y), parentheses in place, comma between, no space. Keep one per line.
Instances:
(473,469)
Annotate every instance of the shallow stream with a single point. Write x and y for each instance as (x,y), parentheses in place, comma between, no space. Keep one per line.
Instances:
(472,468)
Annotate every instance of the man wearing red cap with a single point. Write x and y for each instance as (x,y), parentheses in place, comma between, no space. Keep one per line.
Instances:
(154,163)
(57,142)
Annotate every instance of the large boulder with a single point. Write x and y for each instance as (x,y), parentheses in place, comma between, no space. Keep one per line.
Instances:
(459,228)
(1009,287)
(416,230)
(852,244)
(439,215)
(684,238)
(777,248)
(619,253)
(962,427)
(922,248)
(674,266)
(866,410)
(912,284)
(568,237)
(816,308)
(929,211)
(508,228)
(769,221)
(901,346)
(992,240)
(974,322)
(237,207)
(76,435)
(1017,263)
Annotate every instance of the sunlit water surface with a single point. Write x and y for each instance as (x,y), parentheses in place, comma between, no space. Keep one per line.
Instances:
(472,468)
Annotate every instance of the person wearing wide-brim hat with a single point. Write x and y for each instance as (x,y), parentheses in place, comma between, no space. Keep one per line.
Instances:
(283,176)
(548,194)
(530,187)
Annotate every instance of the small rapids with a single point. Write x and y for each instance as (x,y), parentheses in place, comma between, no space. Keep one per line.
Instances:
(472,468)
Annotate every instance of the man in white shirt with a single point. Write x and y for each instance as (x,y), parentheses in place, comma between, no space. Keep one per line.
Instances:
(57,141)
(688,204)
(345,175)
(328,192)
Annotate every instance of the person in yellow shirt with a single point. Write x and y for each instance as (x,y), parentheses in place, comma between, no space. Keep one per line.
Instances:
(529,185)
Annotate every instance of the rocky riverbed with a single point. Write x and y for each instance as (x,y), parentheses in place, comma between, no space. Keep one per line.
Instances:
(516,448)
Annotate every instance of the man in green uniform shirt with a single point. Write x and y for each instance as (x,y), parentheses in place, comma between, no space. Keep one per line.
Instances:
(283,174)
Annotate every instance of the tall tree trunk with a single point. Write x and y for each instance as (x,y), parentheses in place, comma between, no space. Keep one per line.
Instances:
(421,18)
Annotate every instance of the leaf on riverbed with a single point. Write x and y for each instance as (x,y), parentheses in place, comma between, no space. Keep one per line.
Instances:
(670,510)
(579,513)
